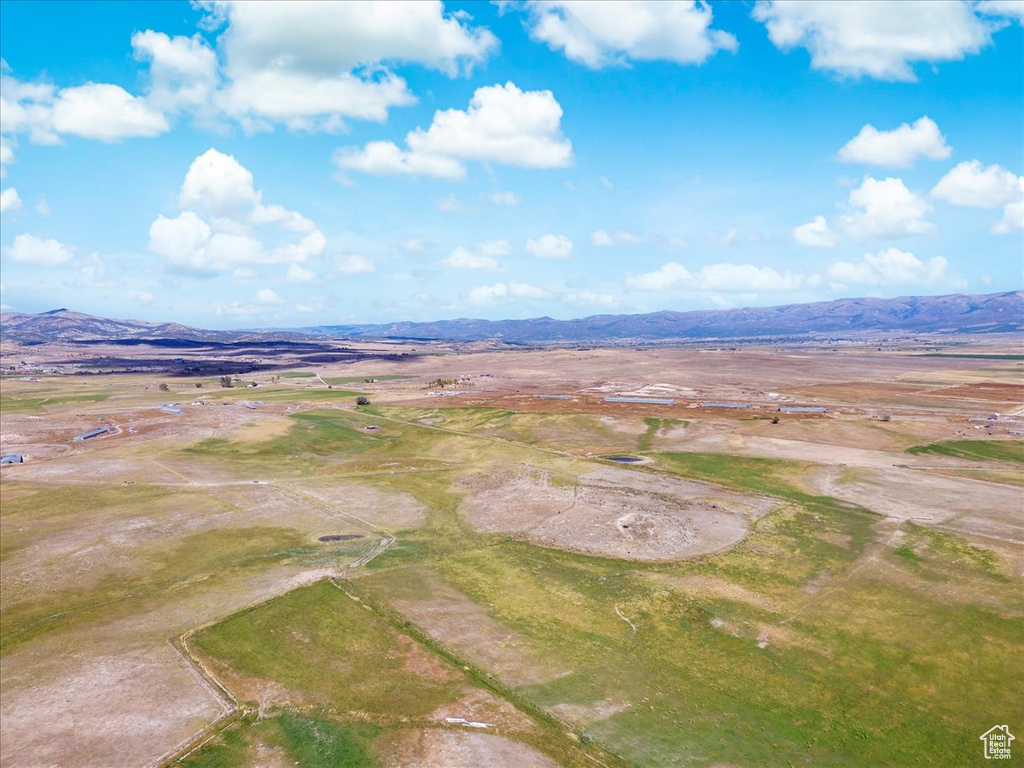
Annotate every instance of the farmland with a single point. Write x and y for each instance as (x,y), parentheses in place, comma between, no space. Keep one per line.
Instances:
(277,576)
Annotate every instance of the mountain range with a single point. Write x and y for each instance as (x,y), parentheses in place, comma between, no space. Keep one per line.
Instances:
(957,313)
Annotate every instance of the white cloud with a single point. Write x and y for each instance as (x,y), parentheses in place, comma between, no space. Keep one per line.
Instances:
(857,38)
(181,240)
(718,277)
(182,70)
(143,297)
(613,32)
(606,239)
(484,256)
(9,200)
(43,207)
(299,274)
(891,267)
(898,148)
(505,198)
(106,113)
(483,295)
(550,247)
(1013,9)
(815,234)
(355,264)
(28,249)
(887,209)
(502,125)
(970,184)
(1013,219)
(92,273)
(6,155)
(746,277)
(670,275)
(310,65)
(224,236)
(606,182)
(267,296)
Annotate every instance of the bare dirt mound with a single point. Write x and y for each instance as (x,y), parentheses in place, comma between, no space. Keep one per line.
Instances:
(611,512)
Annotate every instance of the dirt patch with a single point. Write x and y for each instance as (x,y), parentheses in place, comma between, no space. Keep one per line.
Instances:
(613,513)
(452,748)
(388,509)
(467,628)
(587,714)
(422,663)
(480,705)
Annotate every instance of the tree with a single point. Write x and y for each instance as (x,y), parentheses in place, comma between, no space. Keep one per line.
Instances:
(361,400)
(225,381)
(164,388)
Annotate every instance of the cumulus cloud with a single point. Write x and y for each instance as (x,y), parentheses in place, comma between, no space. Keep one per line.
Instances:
(222,215)
(864,38)
(28,249)
(9,200)
(182,71)
(355,264)
(502,124)
(898,148)
(312,65)
(670,275)
(891,267)
(99,111)
(1013,219)
(815,234)
(718,277)
(483,295)
(972,185)
(484,255)
(615,32)
(885,209)
(605,239)
(550,247)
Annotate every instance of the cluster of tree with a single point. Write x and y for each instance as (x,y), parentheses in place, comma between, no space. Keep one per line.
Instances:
(462,381)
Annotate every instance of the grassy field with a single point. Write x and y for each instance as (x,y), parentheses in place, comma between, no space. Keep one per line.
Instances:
(977,450)
(830,635)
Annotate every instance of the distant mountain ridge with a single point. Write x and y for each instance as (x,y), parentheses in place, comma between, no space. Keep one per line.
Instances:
(957,313)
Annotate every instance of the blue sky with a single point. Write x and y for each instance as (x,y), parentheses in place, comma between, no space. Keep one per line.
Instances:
(241,165)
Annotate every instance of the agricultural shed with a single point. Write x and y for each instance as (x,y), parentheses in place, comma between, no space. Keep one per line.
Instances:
(11,458)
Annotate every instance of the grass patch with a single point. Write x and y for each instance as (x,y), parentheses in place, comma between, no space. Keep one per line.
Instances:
(326,648)
(976,450)
(36,403)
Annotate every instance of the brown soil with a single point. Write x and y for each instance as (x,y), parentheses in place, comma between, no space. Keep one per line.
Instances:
(452,748)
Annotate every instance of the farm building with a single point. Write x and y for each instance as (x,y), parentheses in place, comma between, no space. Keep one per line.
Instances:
(11,458)
(92,433)
(802,409)
(724,405)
